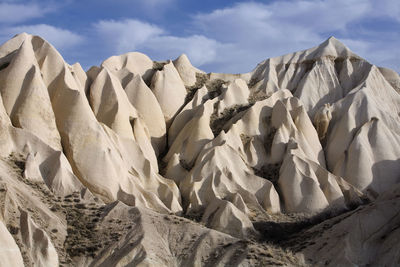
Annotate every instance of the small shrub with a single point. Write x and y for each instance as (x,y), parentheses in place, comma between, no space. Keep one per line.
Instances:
(157,65)
(269,172)
(255,97)
(215,88)
(252,82)
(185,165)
(201,80)
(218,122)
(245,139)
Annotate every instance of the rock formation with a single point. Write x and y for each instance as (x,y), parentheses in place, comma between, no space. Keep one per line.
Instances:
(137,162)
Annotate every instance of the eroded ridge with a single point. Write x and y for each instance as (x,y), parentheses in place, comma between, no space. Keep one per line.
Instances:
(159,163)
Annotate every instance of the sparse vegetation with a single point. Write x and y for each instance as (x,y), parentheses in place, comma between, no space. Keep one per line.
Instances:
(215,88)
(201,80)
(245,139)
(18,162)
(185,165)
(195,216)
(257,96)
(269,172)
(217,122)
(269,254)
(13,229)
(288,231)
(253,81)
(159,65)
(82,232)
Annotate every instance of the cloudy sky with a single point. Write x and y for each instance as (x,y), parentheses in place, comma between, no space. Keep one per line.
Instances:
(219,36)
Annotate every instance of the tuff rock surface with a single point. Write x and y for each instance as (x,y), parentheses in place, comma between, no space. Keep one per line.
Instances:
(136,162)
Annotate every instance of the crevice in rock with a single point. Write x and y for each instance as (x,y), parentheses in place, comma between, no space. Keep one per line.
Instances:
(309,64)
(4,65)
(269,138)
(162,165)
(338,64)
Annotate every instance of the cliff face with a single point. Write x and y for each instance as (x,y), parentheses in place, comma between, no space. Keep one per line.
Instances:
(158,163)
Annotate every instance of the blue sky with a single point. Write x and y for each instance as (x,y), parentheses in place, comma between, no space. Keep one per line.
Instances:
(218,36)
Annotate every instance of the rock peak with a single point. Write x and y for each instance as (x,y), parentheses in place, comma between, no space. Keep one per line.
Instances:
(183,57)
(22,35)
(186,70)
(335,42)
(183,60)
(334,47)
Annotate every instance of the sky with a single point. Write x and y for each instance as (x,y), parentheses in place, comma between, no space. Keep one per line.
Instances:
(217,35)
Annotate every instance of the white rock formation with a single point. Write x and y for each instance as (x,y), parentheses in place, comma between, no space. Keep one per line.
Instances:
(38,243)
(96,167)
(98,156)
(9,251)
(169,90)
(186,70)
(141,97)
(130,64)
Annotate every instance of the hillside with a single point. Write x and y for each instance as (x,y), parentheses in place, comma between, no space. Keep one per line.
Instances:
(138,162)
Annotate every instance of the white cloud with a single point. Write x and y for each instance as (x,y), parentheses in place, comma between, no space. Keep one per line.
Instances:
(256,31)
(148,3)
(236,38)
(154,3)
(126,35)
(134,35)
(151,8)
(387,8)
(60,38)
(16,13)
(382,52)
(231,39)
(200,49)
(281,19)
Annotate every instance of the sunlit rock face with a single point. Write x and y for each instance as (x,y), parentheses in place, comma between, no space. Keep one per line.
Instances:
(137,162)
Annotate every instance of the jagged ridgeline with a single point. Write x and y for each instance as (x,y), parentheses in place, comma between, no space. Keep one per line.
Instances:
(137,162)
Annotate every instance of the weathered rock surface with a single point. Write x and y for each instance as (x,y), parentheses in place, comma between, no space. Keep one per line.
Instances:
(136,162)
